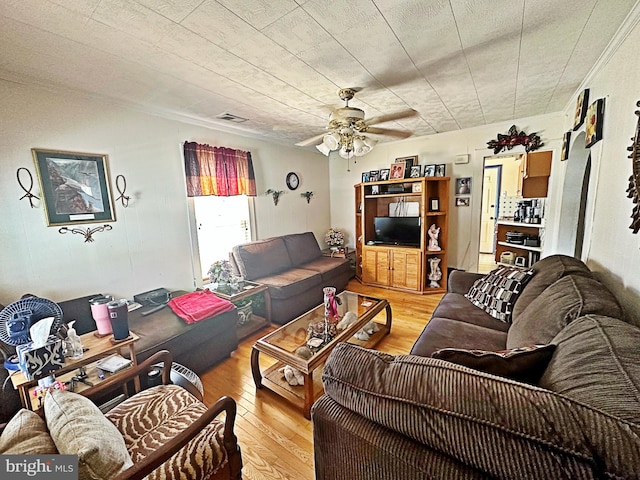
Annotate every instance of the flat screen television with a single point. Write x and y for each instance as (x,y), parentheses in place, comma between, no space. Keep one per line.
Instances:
(397,231)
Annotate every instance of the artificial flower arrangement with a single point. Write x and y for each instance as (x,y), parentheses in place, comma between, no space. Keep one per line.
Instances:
(220,272)
(334,238)
(40,391)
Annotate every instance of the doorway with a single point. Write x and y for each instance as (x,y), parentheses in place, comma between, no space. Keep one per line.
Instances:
(500,184)
(574,199)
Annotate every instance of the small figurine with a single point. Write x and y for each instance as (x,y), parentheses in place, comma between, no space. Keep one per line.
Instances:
(435,272)
(433,238)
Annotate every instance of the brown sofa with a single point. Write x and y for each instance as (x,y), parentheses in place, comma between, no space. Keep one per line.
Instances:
(294,269)
(415,417)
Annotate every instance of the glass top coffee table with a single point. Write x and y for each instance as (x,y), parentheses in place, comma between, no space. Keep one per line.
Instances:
(282,344)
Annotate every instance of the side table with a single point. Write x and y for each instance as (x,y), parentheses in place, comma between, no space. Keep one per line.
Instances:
(95,349)
(245,290)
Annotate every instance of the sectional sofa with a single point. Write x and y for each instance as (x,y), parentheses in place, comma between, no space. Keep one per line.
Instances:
(414,416)
(294,269)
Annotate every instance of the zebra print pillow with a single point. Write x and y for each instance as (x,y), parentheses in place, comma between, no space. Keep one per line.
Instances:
(497,292)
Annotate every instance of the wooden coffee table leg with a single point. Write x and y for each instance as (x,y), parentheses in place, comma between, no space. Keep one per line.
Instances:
(255,367)
(308,394)
(389,318)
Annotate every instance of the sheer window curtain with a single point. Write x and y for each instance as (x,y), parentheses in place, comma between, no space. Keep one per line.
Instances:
(218,171)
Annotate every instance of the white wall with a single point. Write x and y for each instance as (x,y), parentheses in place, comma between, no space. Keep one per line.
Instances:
(464,222)
(150,244)
(611,249)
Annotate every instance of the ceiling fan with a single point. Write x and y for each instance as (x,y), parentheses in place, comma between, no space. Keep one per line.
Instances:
(349,132)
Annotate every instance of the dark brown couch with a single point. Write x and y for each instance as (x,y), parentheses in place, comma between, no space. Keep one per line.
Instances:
(416,417)
(294,269)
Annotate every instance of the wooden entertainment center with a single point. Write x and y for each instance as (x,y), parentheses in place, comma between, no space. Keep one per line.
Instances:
(400,266)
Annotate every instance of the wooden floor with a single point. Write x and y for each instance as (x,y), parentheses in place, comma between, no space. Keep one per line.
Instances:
(275,438)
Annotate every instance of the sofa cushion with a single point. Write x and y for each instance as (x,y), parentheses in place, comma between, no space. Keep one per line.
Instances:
(290,283)
(497,291)
(148,419)
(525,364)
(328,266)
(26,434)
(261,258)
(444,332)
(79,428)
(548,271)
(458,307)
(302,248)
(565,300)
(596,363)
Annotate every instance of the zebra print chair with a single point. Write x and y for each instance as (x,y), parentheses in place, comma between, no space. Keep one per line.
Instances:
(163,432)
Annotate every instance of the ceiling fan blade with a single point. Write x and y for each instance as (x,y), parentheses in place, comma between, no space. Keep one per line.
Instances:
(392,116)
(310,141)
(387,131)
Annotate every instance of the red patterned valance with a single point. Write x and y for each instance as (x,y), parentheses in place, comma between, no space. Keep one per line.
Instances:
(218,171)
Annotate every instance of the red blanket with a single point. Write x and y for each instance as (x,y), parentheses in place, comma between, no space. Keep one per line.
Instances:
(196,306)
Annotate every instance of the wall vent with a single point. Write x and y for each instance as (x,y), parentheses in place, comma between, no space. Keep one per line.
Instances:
(230,117)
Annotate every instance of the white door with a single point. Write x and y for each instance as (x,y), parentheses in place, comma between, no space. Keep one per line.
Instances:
(490,189)
(222,222)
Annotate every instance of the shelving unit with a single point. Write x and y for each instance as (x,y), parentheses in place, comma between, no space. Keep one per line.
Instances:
(531,253)
(399,266)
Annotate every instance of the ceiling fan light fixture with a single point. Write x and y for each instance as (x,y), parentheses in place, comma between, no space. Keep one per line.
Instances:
(370,142)
(344,153)
(331,140)
(323,149)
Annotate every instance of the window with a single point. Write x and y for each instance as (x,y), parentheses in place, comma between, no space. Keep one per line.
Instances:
(221,223)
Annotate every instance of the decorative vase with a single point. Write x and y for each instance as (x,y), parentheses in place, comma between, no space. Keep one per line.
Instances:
(244,314)
(335,249)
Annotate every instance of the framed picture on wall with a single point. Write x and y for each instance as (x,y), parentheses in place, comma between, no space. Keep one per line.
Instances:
(462,201)
(74,187)
(566,139)
(582,103)
(463,186)
(595,119)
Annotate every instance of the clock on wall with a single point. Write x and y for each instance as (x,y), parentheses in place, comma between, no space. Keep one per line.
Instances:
(293,181)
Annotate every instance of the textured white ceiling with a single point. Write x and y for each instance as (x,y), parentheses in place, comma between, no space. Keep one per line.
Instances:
(279,63)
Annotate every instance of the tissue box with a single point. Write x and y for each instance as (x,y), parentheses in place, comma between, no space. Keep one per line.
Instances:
(40,362)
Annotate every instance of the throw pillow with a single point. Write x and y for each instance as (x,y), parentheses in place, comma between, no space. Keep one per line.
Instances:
(524,364)
(26,434)
(79,428)
(497,292)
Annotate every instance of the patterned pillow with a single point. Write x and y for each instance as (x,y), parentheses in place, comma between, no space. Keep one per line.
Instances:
(497,292)
(524,364)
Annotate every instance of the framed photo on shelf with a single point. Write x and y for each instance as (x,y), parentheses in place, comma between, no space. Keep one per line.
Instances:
(397,171)
(375,190)
(462,201)
(365,177)
(440,169)
(429,170)
(434,204)
(74,186)
(408,163)
(384,174)
(463,186)
(374,175)
(416,171)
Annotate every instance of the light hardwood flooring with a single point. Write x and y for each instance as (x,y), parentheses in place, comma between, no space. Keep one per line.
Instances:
(275,438)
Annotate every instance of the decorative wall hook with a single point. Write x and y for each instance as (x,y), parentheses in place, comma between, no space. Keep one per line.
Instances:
(307,195)
(121,190)
(633,191)
(88,233)
(28,193)
(275,194)
(531,141)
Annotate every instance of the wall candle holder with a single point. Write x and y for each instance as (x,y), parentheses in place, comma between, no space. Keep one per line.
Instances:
(121,190)
(28,193)
(88,233)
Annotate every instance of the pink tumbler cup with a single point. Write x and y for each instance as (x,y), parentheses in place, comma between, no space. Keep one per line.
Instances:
(100,313)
